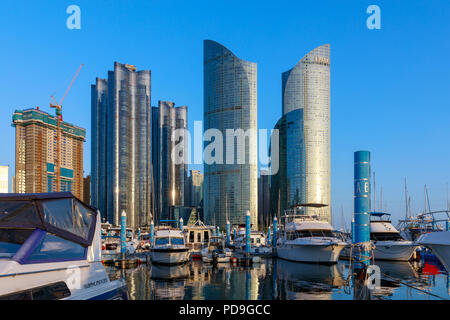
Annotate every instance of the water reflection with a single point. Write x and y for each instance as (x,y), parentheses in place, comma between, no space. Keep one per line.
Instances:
(279,279)
(302,281)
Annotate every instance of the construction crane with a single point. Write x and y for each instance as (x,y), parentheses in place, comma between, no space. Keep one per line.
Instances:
(58,110)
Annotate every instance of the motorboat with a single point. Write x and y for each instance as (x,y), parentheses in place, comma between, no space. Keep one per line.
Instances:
(439,243)
(258,245)
(216,252)
(197,238)
(111,248)
(50,249)
(389,244)
(306,238)
(169,247)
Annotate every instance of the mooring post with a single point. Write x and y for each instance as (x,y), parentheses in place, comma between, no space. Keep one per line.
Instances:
(181,224)
(228,233)
(362,207)
(139,234)
(123,235)
(274,232)
(268,236)
(247,233)
(152,231)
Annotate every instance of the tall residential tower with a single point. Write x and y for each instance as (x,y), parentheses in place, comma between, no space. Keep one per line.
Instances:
(36,153)
(304,174)
(121,145)
(230,103)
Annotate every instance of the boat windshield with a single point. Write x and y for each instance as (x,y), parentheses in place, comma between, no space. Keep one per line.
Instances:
(11,240)
(385,236)
(177,241)
(291,235)
(161,241)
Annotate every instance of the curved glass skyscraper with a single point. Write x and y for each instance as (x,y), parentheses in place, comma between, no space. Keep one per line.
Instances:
(230,102)
(305,163)
(121,145)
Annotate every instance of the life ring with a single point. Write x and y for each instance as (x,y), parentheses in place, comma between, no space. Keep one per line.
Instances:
(234,260)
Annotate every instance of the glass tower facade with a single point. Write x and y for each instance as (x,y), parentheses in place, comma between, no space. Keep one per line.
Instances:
(230,102)
(170,177)
(305,163)
(121,145)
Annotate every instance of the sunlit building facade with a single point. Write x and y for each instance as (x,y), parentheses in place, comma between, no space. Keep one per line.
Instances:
(121,145)
(305,163)
(169,177)
(230,102)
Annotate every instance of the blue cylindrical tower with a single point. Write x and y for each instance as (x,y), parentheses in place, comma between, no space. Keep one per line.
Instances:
(362,206)
(123,233)
(228,232)
(247,232)
(152,231)
(268,236)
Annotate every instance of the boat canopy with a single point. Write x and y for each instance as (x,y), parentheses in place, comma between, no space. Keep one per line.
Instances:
(379,214)
(59,213)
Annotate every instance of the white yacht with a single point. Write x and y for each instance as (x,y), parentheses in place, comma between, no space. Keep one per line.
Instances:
(50,248)
(305,238)
(439,243)
(169,247)
(389,244)
(216,251)
(111,243)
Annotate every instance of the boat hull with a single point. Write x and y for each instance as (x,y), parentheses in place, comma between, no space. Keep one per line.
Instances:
(170,256)
(327,253)
(393,251)
(439,243)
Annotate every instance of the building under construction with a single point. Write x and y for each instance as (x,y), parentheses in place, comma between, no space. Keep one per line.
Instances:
(36,153)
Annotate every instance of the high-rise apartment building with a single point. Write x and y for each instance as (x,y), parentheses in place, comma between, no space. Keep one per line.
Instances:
(36,153)
(169,176)
(121,145)
(230,102)
(304,174)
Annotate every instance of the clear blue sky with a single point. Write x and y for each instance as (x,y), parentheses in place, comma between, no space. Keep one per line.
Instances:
(390,88)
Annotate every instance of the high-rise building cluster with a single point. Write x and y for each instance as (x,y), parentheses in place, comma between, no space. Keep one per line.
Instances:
(135,146)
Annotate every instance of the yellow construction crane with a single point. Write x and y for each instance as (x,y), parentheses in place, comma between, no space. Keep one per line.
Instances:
(58,107)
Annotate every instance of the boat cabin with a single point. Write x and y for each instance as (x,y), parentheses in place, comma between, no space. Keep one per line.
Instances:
(197,235)
(381,228)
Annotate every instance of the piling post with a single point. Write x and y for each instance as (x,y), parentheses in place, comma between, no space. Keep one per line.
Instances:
(274,232)
(268,236)
(181,224)
(447,225)
(139,234)
(362,207)
(353,230)
(152,231)
(228,233)
(247,233)
(123,234)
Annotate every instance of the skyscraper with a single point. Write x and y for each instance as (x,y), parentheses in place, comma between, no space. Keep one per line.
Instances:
(230,102)
(4,179)
(170,177)
(304,172)
(121,145)
(36,153)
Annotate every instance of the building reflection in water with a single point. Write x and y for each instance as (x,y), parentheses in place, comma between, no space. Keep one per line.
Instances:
(278,279)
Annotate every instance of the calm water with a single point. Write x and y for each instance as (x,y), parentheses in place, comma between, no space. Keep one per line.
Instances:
(280,279)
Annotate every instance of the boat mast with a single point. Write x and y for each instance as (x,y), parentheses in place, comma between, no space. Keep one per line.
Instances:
(374,193)
(406,201)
